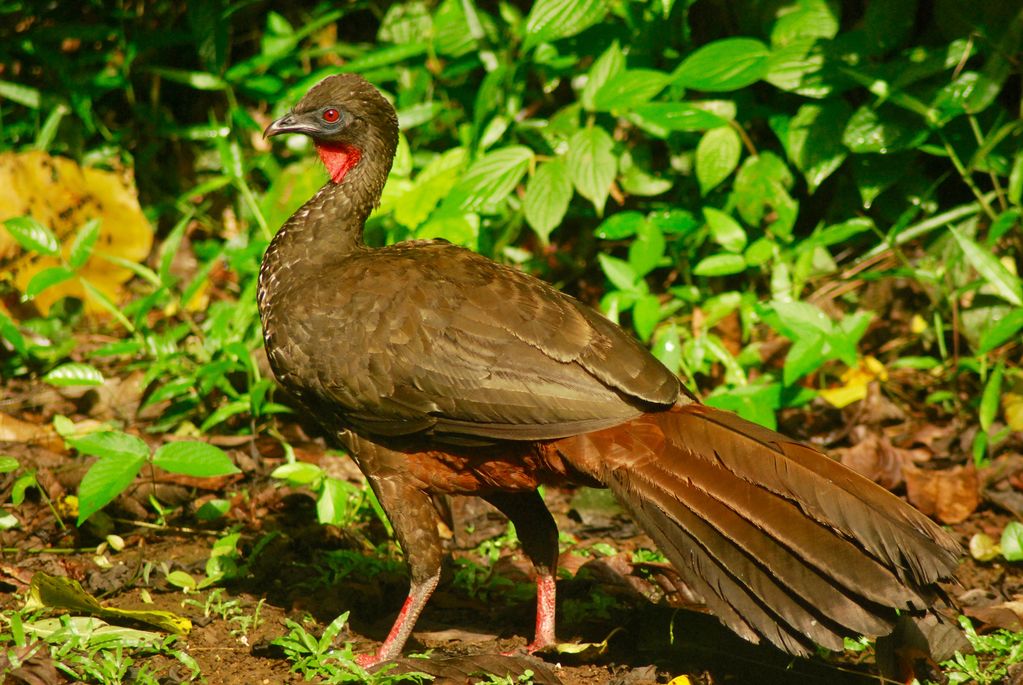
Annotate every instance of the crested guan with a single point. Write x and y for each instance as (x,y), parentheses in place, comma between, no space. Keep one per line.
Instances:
(444,372)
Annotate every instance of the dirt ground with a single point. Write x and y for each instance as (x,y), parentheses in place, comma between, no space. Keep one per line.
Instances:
(296,569)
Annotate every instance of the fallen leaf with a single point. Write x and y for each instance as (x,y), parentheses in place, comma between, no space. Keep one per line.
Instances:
(874,457)
(854,382)
(16,430)
(61,195)
(950,495)
(66,593)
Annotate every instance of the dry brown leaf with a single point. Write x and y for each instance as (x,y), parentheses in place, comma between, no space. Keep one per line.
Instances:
(16,430)
(874,457)
(61,195)
(950,495)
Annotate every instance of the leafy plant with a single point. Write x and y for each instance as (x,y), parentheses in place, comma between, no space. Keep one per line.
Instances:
(122,456)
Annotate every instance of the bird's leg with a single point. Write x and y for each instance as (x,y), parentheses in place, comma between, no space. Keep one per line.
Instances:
(414,519)
(539,537)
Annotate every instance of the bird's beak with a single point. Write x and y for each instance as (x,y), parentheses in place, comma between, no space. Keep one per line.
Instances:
(286,124)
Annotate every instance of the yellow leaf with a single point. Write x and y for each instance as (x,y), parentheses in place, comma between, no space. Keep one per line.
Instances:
(61,195)
(681,680)
(66,593)
(1012,405)
(854,382)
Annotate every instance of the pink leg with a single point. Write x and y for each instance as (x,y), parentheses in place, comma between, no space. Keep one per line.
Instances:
(545,594)
(418,595)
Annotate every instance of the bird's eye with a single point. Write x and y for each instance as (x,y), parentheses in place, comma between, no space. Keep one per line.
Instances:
(331,115)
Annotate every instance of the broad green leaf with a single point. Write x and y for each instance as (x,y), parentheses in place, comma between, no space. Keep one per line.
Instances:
(761,184)
(110,444)
(876,173)
(646,314)
(194,458)
(805,19)
(1005,284)
(662,118)
(801,320)
(592,165)
(720,265)
(805,356)
(668,347)
(724,65)
(334,504)
(814,140)
(458,229)
(33,236)
(1012,541)
(605,67)
(619,225)
(107,478)
(85,240)
(182,579)
(717,155)
(74,374)
(883,129)
(490,179)
(635,180)
(554,19)
(619,272)
(646,251)
(839,233)
(798,67)
(430,186)
(1005,329)
(47,278)
(724,230)
(8,464)
(548,194)
(298,473)
(629,89)
(756,402)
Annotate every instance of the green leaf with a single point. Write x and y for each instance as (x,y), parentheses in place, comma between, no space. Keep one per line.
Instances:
(47,278)
(490,179)
(298,473)
(883,129)
(724,65)
(1005,284)
(619,272)
(646,314)
(629,89)
(668,347)
(200,80)
(554,19)
(1012,541)
(107,478)
(990,398)
(592,165)
(803,357)
(801,320)
(9,331)
(22,94)
(1001,331)
(74,374)
(814,140)
(619,225)
(8,464)
(720,265)
(646,251)
(725,230)
(33,236)
(662,118)
(81,248)
(604,68)
(334,504)
(804,19)
(110,444)
(548,194)
(717,155)
(194,458)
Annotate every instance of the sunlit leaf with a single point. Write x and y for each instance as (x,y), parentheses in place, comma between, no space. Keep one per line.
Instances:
(717,156)
(73,374)
(548,194)
(194,458)
(724,65)
(592,165)
(1005,284)
(553,19)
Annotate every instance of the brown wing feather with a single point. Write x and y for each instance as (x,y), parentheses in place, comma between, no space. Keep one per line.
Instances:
(439,339)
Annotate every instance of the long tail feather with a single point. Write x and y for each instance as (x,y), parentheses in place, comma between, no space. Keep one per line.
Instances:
(782,542)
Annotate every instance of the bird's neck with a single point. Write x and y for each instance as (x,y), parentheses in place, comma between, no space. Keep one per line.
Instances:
(330,224)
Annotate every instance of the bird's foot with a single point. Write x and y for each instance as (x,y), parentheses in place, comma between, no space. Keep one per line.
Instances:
(368,660)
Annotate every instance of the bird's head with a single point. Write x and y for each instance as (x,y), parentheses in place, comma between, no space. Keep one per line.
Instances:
(346,117)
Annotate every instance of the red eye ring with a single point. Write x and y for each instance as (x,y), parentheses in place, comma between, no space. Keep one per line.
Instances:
(331,115)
